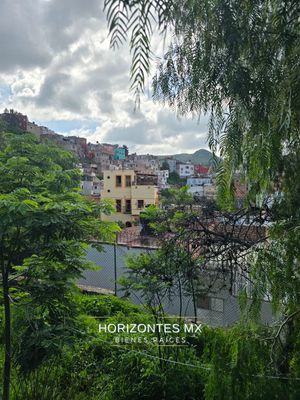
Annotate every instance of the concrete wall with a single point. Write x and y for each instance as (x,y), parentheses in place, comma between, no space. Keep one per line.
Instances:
(223,308)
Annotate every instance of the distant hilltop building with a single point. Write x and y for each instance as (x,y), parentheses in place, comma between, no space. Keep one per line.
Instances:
(21,122)
(103,165)
(120,153)
(15,119)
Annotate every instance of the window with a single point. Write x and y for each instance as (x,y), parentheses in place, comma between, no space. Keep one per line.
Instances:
(108,177)
(128,181)
(128,206)
(203,302)
(108,190)
(217,304)
(118,180)
(140,204)
(118,205)
(210,303)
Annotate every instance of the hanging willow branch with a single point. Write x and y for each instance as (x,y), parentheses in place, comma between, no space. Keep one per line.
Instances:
(137,18)
(237,60)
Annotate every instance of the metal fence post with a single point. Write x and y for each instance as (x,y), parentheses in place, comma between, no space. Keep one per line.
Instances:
(115,267)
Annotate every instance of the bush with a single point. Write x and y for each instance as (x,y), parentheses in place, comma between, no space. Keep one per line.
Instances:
(103,305)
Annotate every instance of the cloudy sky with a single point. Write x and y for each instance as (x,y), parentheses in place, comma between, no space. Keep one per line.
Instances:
(56,66)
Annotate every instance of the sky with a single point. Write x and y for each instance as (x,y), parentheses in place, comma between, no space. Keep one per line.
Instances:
(56,66)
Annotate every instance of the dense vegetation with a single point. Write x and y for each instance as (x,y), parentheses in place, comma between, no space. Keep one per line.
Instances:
(216,364)
(56,351)
(45,227)
(239,61)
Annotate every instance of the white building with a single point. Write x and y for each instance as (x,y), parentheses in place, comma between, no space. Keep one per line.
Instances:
(207,190)
(185,169)
(197,190)
(195,181)
(201,186)
(172,164)
(163,176)
(90,185)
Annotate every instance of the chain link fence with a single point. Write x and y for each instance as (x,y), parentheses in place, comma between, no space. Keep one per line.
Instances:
(112,265)
(219,309)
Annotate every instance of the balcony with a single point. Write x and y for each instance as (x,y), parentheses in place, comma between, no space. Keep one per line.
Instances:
(145,180)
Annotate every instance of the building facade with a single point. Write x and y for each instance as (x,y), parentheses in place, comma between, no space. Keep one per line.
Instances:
(90,184)
(163,176)
(120,153)
(131,193)
(198,181)
(201,169)
(185,169)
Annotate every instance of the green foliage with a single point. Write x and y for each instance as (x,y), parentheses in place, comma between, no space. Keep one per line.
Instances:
(201,156)
(99,306)
(233,363)
(147,381)
(171,272)
(178,197)
(236,60)
(165,166)
(240,368)
(138,16)
(248,360)
(239,62)
(121,224)
(277,267)
(45,228)
(174,179)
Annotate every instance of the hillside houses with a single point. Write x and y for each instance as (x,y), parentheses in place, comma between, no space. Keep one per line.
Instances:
(96,159)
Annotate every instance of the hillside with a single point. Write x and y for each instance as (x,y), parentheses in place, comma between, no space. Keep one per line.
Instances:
(201,156)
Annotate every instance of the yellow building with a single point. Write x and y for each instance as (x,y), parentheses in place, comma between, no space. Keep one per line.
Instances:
(131,192)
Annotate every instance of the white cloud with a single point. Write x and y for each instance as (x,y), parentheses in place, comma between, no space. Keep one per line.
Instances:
(56,65)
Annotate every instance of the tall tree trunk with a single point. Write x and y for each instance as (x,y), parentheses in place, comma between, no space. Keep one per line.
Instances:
(7,336)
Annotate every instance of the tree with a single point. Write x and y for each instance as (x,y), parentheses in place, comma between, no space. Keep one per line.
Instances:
(202,249)
(174,179)
(165,166)
(205,250)
(45,226)
(239,62)
(178,197)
